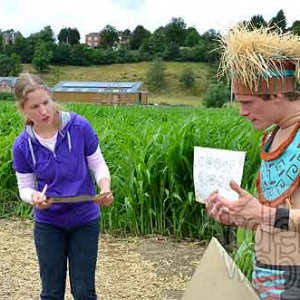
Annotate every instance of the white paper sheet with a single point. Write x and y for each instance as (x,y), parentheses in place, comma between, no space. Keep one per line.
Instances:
(214,168)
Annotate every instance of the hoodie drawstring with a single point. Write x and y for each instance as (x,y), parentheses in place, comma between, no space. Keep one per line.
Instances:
(69,141)
(31,151)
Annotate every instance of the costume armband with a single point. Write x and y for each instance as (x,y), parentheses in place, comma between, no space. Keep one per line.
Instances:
(282,218)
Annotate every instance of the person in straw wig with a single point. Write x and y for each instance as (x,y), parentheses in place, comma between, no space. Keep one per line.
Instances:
(263,67)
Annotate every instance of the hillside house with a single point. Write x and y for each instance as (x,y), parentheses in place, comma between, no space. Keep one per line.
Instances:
(7,84)
(9,37)
(92,39)
(106,93)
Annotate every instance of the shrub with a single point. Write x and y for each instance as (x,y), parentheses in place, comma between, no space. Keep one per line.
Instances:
(156,75)
(7,97)
(216,95)
(187,78)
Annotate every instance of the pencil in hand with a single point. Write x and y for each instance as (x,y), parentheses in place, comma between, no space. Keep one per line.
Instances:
(43,196)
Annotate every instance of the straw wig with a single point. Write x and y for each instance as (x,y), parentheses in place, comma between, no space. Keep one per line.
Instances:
(260,61)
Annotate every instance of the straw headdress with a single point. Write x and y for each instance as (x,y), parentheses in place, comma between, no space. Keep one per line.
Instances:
(260,61)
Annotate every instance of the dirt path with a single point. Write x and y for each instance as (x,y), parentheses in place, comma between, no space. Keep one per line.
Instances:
(132,268)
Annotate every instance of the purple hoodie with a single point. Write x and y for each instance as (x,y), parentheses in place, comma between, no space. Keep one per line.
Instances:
(65,171)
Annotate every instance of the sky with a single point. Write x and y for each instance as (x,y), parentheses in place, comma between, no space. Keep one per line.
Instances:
(31,16)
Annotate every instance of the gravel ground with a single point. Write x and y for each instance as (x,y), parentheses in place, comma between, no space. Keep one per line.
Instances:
(127,268)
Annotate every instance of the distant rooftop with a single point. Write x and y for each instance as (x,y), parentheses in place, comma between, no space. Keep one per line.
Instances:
(11,81)
(96,87)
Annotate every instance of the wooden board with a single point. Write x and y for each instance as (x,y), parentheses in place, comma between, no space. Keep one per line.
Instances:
(217,277)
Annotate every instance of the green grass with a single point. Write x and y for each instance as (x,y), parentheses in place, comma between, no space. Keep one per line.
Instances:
(150,154)
(172,94)
(149,151)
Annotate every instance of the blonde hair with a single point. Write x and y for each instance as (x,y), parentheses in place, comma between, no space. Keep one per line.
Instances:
(262,60)
(27,83)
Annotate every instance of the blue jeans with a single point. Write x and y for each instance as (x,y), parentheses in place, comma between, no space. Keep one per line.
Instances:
(55,246)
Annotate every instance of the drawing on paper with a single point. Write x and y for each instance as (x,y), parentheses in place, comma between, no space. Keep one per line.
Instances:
(214,168)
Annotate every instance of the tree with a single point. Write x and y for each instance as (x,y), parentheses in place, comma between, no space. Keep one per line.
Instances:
(296,28)
(1,41)
(69,36)
(187,78)
(42,57)
(197,53)
(17,66)
(146,47)
(137,37)
(46,35)
(156,75)
(74,36)
(216,95)
(279,21)
(155,43)
(7,66)
(81,55)
(171,52)
(62,54)
(31,42)
(175,31)
(122,55)
(192,37)
(210,46)
(20,47)
(7,49)
(257,21)
(109,37)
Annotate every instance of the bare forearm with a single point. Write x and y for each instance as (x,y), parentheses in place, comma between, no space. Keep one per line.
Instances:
(252,217)
(268,215)
(104,185)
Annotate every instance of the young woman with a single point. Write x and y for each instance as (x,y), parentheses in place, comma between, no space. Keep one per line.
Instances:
(58,155)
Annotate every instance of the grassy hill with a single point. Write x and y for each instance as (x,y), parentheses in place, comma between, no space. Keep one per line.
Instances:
(173,93)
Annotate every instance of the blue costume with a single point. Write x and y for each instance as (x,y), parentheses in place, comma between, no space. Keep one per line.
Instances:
(276,273)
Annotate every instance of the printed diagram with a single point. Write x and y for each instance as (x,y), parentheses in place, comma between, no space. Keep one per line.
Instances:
(214,168)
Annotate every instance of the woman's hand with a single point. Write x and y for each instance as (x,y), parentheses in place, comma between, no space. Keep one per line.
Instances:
(39,200)
(104,198)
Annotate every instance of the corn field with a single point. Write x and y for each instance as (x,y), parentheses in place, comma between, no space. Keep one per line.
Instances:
(149,151)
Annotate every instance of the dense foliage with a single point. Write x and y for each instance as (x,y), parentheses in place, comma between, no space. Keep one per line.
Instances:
(150,154)
(217,95)
(174,42)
